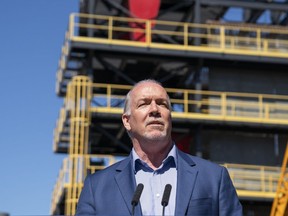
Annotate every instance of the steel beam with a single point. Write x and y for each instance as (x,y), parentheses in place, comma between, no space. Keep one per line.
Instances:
(247,4)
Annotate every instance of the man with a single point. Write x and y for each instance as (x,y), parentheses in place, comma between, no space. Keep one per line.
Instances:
(199,187)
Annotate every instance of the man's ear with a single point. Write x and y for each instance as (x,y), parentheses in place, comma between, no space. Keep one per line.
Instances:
(125,121)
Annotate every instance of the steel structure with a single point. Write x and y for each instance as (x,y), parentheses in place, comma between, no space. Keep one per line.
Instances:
(226,80)
(279,207)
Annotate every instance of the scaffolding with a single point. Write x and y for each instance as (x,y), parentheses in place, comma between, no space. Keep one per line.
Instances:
(250,181)
(102,58)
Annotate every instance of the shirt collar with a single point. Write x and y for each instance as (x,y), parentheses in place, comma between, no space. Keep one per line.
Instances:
(171,155)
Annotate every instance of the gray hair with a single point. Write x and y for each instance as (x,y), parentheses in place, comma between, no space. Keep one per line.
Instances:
(127,103)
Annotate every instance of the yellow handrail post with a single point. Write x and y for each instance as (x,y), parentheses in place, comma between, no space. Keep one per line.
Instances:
(232,43)
(267,111)
(186,35)
(148,32)
(260,99)
(223,104)
(186,101)
(222,37)
(262,171)
(258,39)
(71,26)
(265,45)
(110,28)
(109,96)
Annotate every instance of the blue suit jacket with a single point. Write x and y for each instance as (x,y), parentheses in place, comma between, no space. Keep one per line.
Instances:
(203,188)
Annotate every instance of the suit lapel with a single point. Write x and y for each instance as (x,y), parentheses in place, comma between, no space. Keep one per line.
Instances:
(186,178)
(126,183)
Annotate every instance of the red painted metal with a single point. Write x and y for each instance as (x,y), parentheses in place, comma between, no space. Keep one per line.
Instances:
(144,9)
(182,142)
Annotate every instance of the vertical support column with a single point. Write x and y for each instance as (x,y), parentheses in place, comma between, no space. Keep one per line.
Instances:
(198,141)
(78,98)
(197,11)
(197,19)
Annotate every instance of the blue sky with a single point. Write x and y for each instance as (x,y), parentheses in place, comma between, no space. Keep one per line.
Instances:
(31,36)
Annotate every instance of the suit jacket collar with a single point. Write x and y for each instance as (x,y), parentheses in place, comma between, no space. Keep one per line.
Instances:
(126,182)
(186,177)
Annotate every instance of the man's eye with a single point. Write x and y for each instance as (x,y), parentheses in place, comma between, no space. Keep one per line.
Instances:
(141,104)
(164,105)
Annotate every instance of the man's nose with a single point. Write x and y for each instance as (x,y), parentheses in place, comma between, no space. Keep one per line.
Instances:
(154,107)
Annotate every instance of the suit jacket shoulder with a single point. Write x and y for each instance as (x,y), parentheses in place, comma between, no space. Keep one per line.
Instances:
(204,188)
(109,191)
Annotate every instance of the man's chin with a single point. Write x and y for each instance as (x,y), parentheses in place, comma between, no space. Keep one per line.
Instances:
(156,136)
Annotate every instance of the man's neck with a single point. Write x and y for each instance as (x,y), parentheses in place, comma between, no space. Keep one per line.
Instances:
(151,153)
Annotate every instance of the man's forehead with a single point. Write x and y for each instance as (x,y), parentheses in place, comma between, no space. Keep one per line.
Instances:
(152,97)
(148,87)
(149,91)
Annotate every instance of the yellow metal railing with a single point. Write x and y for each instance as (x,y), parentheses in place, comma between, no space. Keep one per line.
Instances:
(62,181)
(210,37)
(189,104)
(254,181)
(168,35)
(60,129)
(209,105)
(84,97)
(249,180)
(85,164)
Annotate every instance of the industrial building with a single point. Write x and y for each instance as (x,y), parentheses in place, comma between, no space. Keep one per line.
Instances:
(224,65)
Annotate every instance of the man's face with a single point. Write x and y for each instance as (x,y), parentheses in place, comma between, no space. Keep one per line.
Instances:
(150,116)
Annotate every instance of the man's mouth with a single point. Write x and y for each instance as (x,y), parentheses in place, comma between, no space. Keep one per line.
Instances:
(155,123)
